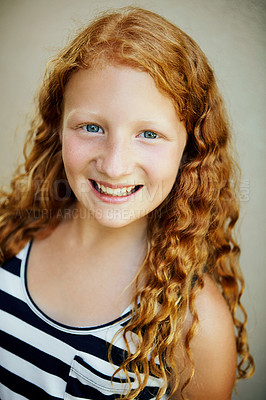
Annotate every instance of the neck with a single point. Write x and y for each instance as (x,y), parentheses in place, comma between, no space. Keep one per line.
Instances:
(87,233)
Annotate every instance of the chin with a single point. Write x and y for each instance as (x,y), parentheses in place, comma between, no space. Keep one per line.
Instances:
(118,218)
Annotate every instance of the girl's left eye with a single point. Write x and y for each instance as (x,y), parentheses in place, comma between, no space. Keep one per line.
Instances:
(92,128)
(149,135)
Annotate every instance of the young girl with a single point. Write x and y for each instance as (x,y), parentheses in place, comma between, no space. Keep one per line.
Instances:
(120,274)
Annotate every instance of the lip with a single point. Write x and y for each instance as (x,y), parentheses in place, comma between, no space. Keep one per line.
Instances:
(112,199)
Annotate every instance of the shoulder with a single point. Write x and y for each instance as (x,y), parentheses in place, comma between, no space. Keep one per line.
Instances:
(213,312)
(213,347)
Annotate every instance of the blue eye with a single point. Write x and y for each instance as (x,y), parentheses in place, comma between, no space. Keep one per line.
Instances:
(149,135)
(92,128)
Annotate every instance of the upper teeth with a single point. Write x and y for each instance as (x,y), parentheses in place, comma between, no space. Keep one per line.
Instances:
(115,192)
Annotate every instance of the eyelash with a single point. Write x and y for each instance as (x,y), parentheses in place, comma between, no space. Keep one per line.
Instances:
(92,125)
(153,136)
(153,133)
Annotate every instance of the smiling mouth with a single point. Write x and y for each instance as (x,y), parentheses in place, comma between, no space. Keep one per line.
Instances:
(115,192)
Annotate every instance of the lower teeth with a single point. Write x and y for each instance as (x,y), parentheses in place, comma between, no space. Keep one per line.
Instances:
(116,195)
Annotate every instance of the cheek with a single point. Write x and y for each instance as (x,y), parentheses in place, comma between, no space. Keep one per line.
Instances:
(161,171)
(74,154)
(162,167)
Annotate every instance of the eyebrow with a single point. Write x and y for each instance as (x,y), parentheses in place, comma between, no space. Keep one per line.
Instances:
(82,114)
(158,124)
(88,114)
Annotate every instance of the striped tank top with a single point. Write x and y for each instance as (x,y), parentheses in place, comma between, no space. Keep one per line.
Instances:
(41,359)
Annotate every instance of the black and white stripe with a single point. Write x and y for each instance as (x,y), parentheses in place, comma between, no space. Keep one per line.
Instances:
(43,359)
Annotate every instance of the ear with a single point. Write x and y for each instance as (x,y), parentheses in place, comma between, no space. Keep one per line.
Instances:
(184,158)
(60,134)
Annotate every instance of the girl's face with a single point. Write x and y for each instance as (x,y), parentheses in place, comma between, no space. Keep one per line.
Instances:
(122,143)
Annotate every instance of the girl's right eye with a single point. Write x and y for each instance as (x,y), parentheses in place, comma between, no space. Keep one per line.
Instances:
(92,128)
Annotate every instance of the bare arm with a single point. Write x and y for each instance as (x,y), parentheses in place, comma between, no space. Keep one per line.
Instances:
(213,349)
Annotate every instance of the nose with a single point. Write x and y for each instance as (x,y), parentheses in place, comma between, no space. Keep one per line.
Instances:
(116,158)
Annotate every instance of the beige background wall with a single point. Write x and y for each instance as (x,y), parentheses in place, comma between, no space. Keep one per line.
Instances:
(232,34)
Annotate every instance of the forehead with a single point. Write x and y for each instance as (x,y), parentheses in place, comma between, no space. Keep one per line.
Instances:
(116,85)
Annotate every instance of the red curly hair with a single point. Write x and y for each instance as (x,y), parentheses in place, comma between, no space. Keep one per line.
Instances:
(191,233)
